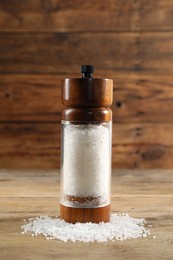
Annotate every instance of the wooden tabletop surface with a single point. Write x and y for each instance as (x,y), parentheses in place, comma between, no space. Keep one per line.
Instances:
(141,193)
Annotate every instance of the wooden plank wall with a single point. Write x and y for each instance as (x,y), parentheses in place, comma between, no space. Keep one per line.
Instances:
(44,41)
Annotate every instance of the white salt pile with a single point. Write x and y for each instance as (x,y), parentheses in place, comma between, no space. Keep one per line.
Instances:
(120,227)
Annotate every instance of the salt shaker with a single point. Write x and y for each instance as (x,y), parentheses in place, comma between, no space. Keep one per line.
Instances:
(85,182)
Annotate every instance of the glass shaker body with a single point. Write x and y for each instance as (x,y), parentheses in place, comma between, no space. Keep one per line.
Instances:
(86,164)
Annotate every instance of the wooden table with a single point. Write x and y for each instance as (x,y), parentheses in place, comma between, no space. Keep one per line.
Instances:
(142,193)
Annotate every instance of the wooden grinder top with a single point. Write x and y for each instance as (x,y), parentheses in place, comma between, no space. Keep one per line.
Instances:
(87,98)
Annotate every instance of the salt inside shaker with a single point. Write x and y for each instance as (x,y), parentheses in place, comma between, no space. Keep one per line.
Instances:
(85,182)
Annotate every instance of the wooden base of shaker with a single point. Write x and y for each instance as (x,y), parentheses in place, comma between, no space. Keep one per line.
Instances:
(83,215)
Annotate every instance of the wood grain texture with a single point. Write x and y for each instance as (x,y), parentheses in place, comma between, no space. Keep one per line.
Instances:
(29,145)
(136,145)
(155,15)
(138,97)
(28,198)
(62,16)
(30,98)
(68,16)
(143,98)
(31,53)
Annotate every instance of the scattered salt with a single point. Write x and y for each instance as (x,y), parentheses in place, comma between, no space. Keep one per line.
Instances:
(120,227)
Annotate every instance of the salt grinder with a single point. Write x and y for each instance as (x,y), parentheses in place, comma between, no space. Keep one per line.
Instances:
(85,183)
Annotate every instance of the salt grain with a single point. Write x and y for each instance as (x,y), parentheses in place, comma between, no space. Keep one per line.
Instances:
(120,227)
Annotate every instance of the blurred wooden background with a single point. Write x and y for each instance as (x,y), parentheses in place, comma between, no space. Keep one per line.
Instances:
(42,41)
